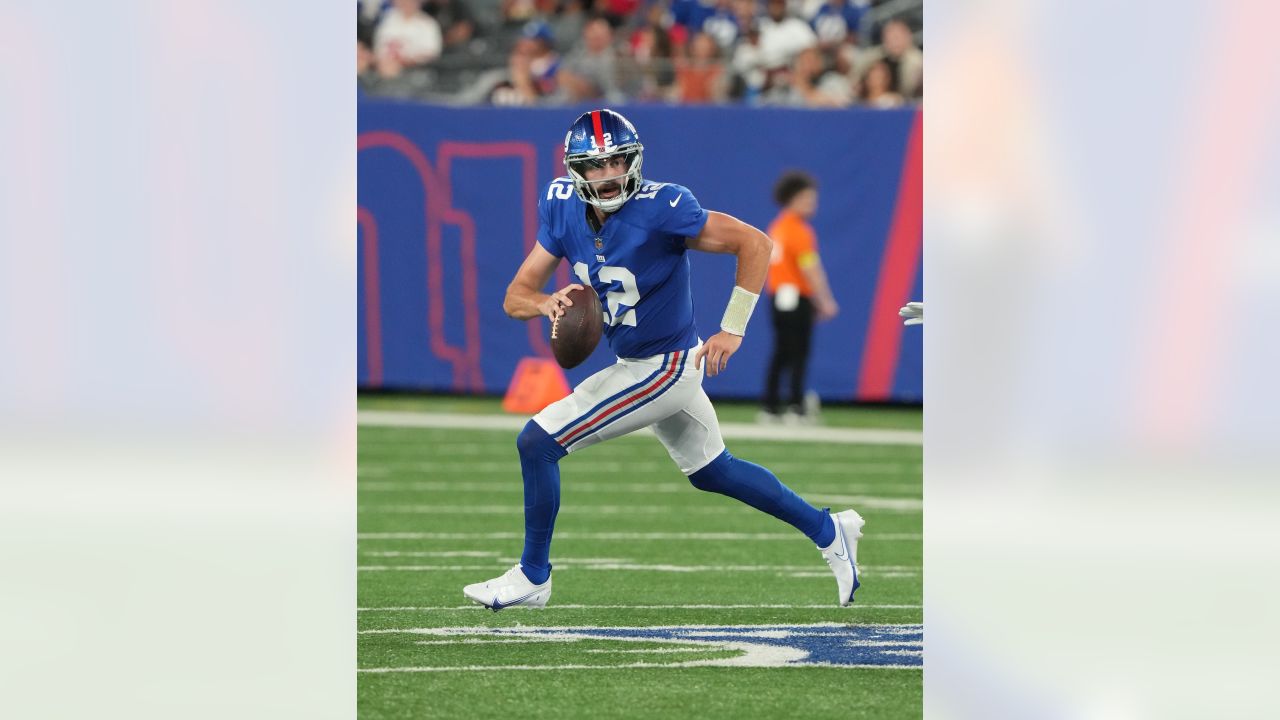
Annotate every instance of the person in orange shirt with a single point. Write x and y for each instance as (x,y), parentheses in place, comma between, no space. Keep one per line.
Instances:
(799,292)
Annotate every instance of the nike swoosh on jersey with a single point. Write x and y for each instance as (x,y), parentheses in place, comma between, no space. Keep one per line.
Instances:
(673,202)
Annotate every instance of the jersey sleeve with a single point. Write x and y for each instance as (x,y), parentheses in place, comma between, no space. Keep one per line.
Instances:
(793,242)
(547,237)
(804,246)
(681,216)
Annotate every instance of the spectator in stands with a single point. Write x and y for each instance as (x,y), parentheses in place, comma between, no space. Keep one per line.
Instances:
(652,63)
(904,59)
(520,11)
(616,12)
(533,65)
(366,64)
(745,13)
(800,294)
(567,23)
(369,11)
(454,17)
(691,14)
(817,86)
(700,78)
(723,24)
(406,36)
(836,21)
(366,61)
(750,77)
(876,89)
(783,36)
(591,71)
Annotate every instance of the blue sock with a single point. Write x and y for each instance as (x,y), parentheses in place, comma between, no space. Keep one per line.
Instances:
(762,490)
(539,463)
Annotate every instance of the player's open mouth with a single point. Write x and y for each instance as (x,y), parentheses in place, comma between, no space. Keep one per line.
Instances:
(608,191)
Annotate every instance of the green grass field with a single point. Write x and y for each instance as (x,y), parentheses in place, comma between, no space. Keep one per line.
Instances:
(636,548)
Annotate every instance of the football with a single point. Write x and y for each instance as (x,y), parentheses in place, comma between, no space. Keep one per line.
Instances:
(575,334)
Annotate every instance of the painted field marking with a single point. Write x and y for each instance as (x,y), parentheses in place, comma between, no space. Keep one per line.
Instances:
(825,644)
(730,431)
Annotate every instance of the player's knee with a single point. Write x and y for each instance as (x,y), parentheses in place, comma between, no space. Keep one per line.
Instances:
(534,443)
(714,476)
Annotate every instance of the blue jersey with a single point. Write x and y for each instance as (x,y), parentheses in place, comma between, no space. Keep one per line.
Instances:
(636,262)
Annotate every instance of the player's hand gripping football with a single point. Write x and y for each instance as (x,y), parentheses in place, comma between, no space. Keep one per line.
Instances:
(718,348)
(553,307)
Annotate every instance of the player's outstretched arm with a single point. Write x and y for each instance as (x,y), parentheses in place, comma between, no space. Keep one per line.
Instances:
(727,234)
(525,299)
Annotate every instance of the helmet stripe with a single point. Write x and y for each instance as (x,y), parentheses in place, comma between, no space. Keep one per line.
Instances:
(599,129)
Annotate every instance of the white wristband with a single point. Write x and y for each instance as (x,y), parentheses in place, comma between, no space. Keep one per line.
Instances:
(738,312)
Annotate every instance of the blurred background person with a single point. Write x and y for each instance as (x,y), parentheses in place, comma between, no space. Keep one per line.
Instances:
(783,35)
(723,25)
(617,12)
(649,70)
(688,16)
(406,36)
(567,22)
(815,85)
(904,59)
(591,70)
(532,68)
(876,88)
(366,61)
(800,295)
(454,18)
(700,77)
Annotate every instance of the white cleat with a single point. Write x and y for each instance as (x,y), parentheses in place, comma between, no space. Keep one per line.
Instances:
(510,589)
(842,553)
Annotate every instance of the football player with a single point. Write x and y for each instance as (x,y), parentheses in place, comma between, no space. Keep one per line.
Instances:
(627,239)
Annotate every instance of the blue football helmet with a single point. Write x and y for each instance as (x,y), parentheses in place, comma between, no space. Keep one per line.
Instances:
(592,139)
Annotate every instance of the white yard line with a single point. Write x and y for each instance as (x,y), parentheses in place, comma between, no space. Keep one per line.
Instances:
(730,431)
(792,570)
(862,502)
(435,608)
(510,484)
(628,536)
(654,651)
(431,553)
(502,472)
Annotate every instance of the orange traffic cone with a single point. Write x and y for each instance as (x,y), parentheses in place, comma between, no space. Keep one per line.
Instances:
(537,383)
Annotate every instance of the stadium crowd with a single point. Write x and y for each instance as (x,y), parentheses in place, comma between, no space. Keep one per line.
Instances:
(797,53)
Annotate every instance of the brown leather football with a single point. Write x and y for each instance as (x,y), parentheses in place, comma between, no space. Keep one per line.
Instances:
(576,333)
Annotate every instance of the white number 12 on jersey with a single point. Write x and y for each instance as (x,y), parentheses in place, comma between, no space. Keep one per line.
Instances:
(629,295)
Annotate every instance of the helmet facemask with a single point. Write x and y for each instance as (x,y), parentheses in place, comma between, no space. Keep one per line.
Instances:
(628,183)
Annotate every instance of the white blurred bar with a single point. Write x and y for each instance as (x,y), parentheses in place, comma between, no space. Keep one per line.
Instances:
(177,448)
(1102,250)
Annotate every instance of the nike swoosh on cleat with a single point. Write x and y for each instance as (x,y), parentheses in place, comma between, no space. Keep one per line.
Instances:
(496,606)
(673,202)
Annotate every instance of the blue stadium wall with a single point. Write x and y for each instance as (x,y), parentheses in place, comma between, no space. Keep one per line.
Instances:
(447,211)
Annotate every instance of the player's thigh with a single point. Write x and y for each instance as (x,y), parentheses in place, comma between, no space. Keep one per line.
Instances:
(621,399)
(692,435)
